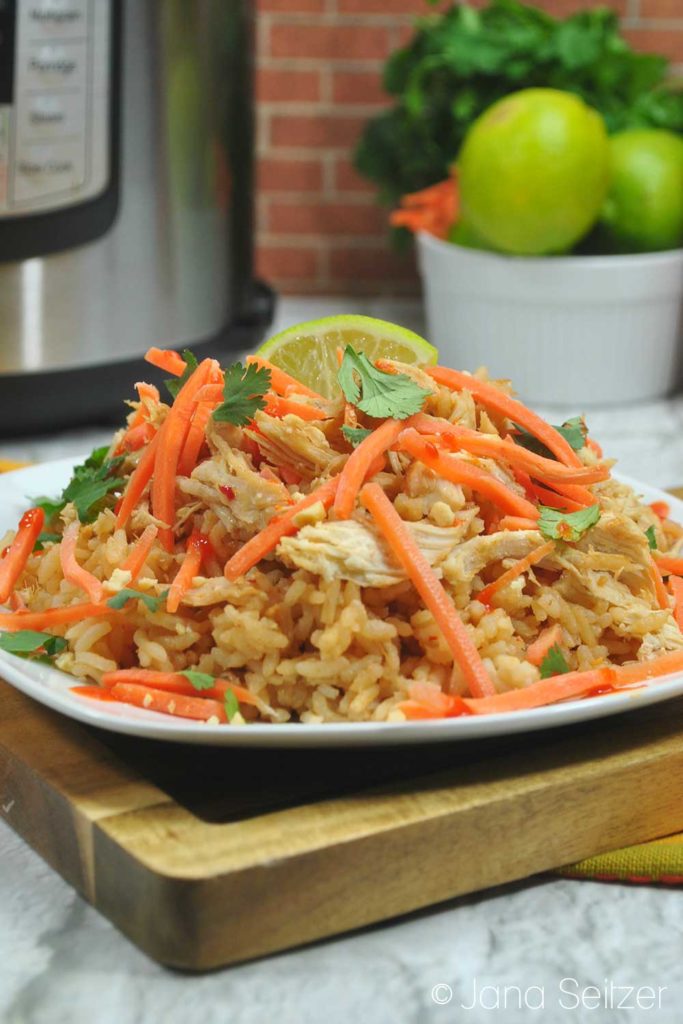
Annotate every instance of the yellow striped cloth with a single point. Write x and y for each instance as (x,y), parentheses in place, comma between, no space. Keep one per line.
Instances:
(659,861)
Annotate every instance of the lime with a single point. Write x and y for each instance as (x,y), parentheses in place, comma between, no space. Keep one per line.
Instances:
(309,351)
(462,234)
(533,171)
(643,211)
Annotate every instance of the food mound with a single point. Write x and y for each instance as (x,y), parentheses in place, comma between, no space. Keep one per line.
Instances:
(419,546)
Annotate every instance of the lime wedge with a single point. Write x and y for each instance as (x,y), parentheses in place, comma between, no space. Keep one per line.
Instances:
(309,351)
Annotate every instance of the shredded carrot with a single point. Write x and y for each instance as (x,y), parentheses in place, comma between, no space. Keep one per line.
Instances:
(280,381)
(668,564)
(17,555)
(13,621)
(171,440)
(135,438)
(264,542)
(176,682)
(486,595)
(503,448)
(196,436)
(16,602)
(550,637)
(427,701)
(552,499)
(279,407)
(642,671)
(192,563)
(290,475)
(492,398)
(137,482)
(147,394)
(543,692)
(676,585)
(658,585)
(166,359)
(72,571)
(138,554)
(199,708)
(407,553)
(460,472)
(93,693)
(661,509)
(594,446)
(355,471)
(517,523)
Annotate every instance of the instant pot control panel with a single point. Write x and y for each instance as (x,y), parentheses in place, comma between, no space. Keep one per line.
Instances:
(58,112)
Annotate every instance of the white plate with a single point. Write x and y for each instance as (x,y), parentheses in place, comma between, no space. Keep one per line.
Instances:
(51,687)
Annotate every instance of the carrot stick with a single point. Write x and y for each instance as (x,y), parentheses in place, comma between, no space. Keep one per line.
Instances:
(171,440)
(145,391)
(517,523)
(137,556)
(545,691)
(658,585)
(661,509)
(459,472)
(199,708)
(72,571)
(192,563)
(486,595)
(93,693)
(676,584)
(135,438)
(12,621)
(166,359)
(642,671)
(669,565)
(427,701)
(176,682)
(494,399)
(283,526)
(277,406)
(281,381)
(355,471)
(137,482)
(554,500)
(550,637)
(196,437)
(407,553)
(14,562)
(503,448)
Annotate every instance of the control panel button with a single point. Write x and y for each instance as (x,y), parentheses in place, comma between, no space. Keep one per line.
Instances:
(43,170)
(51,115)
(58,65)
(55,19)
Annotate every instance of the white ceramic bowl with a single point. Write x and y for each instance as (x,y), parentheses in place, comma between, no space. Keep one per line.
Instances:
(590,330)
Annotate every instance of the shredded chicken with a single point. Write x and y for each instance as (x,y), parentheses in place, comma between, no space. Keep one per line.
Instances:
(293,442)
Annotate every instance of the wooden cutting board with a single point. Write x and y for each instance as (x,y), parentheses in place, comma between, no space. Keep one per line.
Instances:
(204,857)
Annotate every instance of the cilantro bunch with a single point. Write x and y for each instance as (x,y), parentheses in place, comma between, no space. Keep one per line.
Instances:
(461,61)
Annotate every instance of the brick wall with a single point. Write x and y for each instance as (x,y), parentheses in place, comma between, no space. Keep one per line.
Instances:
(318,70)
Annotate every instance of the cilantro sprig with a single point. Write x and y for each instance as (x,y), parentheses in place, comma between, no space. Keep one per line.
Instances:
(574,431)
(174,384)
(151,601)
(92,482)
(651,538)
(375,392)
(569,526)
(243,394)
(354,435)
(554,663)
(28,643)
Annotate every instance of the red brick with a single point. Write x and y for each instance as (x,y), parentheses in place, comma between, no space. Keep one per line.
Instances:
(372,264)
(330,42)
(358,87)
(279,175)
(668,42)
(277,262)
(563,8)
(291,6)
(382,6)
(287,86)
(347,178)
(319,130)
(320,218)
(662,9)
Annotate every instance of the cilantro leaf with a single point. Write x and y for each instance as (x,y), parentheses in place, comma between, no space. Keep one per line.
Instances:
(90,484)
(27,641)
(232,705)
(651,539)
(574,432)
(569,526)
(354,435)
(199,680)
(377,393)
(174,384)
(151,602)
(554,663)
(243,392)
(46,538)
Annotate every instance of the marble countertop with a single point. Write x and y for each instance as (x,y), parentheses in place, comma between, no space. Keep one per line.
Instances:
(547,939)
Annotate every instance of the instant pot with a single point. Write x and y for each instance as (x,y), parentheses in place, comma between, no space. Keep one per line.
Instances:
(126,143)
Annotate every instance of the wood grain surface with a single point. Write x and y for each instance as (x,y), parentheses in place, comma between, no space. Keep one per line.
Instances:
(204,857)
